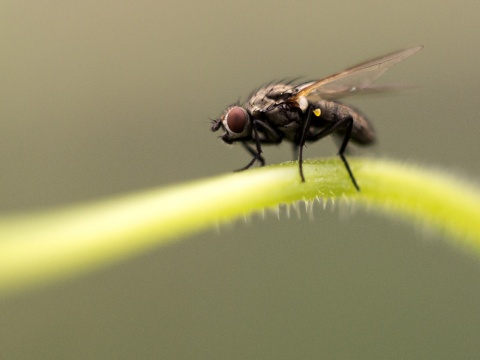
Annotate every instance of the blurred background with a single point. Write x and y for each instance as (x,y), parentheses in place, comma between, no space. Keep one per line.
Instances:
(100,98)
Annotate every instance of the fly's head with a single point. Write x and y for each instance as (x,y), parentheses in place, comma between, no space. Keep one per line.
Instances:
(236,123)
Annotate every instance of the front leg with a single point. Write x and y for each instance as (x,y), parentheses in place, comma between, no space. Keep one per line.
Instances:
(270,135)
(262,133)
(256,156)
(257,152)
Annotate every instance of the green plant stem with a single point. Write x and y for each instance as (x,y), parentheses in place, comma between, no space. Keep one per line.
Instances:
(38,248)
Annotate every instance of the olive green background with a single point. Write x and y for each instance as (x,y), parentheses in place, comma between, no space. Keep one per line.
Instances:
(100,98)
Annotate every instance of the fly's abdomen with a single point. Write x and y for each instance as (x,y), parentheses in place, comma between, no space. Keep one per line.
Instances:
(362,130)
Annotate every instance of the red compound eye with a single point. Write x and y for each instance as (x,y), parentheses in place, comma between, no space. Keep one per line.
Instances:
(236,119)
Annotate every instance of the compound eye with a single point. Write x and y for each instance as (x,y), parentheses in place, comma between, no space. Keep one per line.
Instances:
(236,119)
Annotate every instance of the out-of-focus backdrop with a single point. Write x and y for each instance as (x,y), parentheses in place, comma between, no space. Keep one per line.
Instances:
(100,98)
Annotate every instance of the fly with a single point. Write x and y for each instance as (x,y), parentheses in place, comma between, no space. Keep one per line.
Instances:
(308,112)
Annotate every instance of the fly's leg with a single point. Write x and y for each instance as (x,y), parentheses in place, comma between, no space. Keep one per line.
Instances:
(343,146)
(272,136)
(347,124)
(301,141)
(256,156)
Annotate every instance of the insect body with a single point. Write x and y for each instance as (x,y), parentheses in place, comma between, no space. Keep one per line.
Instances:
(307,112)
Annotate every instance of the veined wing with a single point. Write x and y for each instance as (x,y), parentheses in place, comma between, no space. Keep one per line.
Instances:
(355,79)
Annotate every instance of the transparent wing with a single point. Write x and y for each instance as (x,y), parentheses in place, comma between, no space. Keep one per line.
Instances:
(355,79)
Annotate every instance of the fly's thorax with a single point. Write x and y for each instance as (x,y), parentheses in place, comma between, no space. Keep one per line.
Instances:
(269,96)
(271,104)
